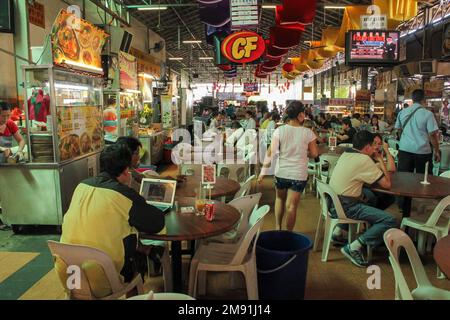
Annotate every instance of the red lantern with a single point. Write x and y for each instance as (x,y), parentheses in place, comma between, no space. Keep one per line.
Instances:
(288,67)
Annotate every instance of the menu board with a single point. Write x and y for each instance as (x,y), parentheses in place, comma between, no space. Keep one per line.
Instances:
(80,131)
(128,71)
(251,87)
(77,43)
(376,47)
(434,89)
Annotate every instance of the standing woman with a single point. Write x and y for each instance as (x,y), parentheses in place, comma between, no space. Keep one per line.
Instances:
(294,144)
(8,132)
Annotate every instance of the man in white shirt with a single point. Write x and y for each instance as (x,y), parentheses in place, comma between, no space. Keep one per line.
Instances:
(353,170)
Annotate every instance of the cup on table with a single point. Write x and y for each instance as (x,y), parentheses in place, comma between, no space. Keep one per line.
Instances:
(199,201)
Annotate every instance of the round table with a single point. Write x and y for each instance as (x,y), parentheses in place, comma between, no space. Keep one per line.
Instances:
(223,187)
(189,226)
(441,255)
(407,184)
(325,149)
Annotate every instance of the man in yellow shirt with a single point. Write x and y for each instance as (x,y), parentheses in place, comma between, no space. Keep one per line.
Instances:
(265,120)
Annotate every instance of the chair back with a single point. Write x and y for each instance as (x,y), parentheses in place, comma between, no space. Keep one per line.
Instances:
(346,145)
(331,160)
(437,212)
(245,188)
(395,239)
(394,144)
(256,220)
(245,205)
(79,255)
(191,169)
(445,157)
(234,172)
(325,189)
(445,174)
(402,291)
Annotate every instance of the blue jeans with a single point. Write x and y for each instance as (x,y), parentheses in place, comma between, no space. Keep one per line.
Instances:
(380,221)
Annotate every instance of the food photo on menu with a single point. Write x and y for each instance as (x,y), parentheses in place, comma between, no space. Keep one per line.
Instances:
(208,174)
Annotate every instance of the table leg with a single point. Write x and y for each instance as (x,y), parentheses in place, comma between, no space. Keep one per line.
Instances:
(177,266)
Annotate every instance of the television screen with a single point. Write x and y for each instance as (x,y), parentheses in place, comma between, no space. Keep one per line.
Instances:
(378,47)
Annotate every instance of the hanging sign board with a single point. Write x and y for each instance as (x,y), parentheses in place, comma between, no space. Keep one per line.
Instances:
(77,44)
(244,14)
(374,22)
(243,47)
(128,71)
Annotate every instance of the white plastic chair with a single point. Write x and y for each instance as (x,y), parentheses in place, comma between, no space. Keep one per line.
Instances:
(236,172)
(394,144)
(331,160)
(238,257)
(330,222)
(395,239)
(145,248)
(434,224)
(445,174)
(245,205)
(245,188)
(191,169)
(346,145)
(79,255)
(162,296)
(313,170)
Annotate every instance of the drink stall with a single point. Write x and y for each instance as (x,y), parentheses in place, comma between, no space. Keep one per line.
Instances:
(65,149)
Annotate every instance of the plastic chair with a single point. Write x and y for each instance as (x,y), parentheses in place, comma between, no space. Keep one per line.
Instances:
(330,222)
(394,144)
(228,258)
(191,169)
(346,145)
(445,157)
(445,174)
(236,172)
(145,246)
(439,228)
(245,205)
(331,161)
(245,188)
(162,296)
(395,239)
(313,170)
(79,255)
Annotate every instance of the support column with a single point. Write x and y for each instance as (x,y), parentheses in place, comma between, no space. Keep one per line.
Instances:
(332,70)
(365,78)
(21,42)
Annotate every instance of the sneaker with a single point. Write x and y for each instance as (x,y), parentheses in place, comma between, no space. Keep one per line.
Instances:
(339,240)
(355,256)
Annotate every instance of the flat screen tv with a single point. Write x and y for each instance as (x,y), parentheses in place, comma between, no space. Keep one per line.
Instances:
(372,48)
(6,16)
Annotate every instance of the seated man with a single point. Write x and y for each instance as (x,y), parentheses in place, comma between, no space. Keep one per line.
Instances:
(134,145)
(349,132)
(105,213)
(354,169)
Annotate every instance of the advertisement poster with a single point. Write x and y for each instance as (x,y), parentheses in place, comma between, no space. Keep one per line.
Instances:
(128,71)
(379,95)
(166,111)
(77,43)
(434,89)
(374,46)
(80,131)
(208,174)
(446,41)
(250,87)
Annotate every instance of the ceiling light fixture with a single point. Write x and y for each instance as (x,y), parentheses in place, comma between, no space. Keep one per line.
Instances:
(192,41)
(206,58)
(334,7)
(152,8)
(269,6)
(176,58)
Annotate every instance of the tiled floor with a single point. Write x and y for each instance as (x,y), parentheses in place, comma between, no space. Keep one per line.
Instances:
(26,265)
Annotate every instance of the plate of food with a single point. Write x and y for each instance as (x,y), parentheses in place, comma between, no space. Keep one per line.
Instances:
(86,143)
(69,147)
(68,43)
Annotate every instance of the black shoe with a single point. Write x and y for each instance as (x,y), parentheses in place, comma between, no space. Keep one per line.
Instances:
(355,256)
(339,240)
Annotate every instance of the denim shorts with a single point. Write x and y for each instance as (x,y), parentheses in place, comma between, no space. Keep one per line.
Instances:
(294,185)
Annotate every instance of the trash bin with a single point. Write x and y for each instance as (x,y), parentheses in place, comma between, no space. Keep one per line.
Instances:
(282,263)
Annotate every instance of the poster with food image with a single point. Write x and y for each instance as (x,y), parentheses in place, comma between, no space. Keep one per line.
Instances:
(166,111)
(128,71)
(77,43)
(208,174)
(80,131)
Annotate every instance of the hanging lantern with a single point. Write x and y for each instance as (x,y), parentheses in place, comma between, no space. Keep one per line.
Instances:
(288,67)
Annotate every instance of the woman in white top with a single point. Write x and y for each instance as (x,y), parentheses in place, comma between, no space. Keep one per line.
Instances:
(295,144)
(236,134)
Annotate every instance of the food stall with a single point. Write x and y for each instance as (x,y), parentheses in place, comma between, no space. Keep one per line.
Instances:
(65,149)
(122,101)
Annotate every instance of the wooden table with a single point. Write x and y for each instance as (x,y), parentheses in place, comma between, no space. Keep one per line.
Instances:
(441,255)
(223,187)
(407,184)
(189,226)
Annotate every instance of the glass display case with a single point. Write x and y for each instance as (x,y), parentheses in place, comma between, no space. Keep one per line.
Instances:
(120,116)
(64,135)
(73,122)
